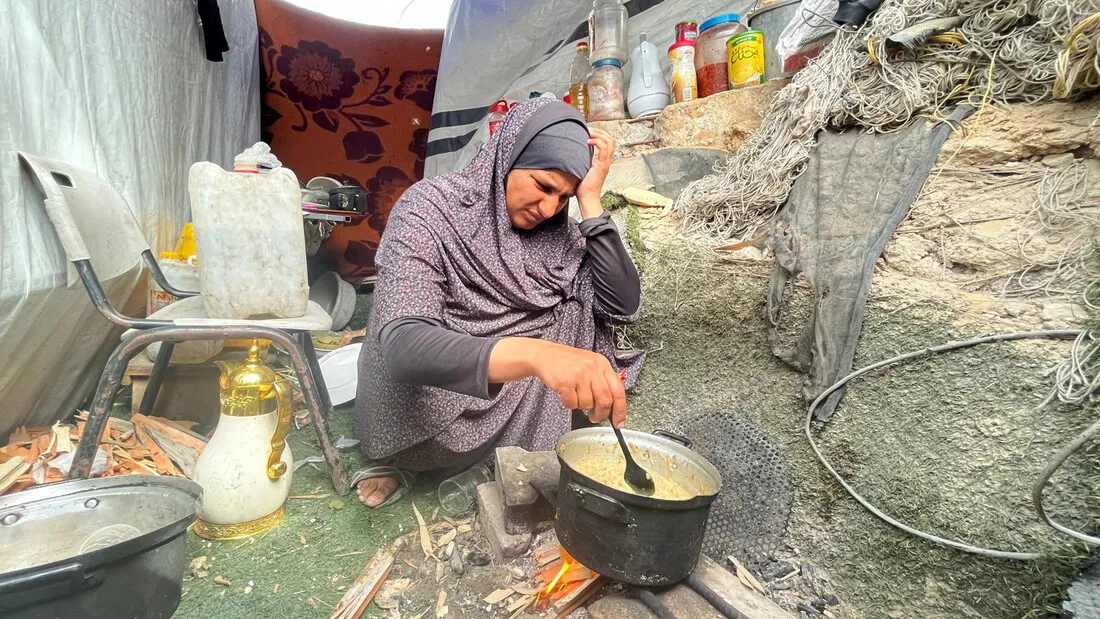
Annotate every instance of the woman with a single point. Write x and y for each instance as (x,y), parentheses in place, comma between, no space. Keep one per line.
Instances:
(493,308)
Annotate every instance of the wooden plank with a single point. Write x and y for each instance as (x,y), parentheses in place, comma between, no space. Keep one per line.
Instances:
(740,596)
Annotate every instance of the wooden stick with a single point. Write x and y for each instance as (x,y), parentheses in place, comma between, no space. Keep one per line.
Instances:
(362,591)
(579,596)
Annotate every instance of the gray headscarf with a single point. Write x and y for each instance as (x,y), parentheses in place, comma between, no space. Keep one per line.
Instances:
(562,145)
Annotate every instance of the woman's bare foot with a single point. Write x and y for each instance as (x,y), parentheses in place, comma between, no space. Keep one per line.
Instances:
(372,492)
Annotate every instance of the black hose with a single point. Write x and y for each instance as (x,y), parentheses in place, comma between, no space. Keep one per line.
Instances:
(657,606)
(721,605)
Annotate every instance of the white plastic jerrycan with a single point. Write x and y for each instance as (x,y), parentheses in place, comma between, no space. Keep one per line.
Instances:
(249,234)
(648,93)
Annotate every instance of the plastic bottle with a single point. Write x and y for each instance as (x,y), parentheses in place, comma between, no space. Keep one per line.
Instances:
(607,28)
(249,235)
(578,89)
(496,115)
(681,59)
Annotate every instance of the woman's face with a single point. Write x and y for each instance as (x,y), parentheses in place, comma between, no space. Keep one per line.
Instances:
(533,196)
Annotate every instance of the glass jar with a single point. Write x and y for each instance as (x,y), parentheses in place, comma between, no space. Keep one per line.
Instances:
(711,56)
(605,90)
(607,29)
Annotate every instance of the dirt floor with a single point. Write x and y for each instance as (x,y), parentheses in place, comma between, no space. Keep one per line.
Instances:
(950,444)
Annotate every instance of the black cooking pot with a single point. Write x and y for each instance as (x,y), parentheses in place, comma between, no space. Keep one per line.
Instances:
(630,537)
(110,547)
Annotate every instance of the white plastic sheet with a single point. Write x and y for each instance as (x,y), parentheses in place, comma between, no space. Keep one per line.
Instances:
(497,49)
(122,89)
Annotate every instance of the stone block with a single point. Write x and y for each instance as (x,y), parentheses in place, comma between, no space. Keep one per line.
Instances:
(1017,132)
(524,477)
(632,136)
(490,514)
(723,120)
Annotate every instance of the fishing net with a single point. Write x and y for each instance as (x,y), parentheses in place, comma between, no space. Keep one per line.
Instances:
(913,58)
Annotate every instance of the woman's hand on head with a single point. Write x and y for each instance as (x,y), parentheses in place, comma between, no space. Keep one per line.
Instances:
(582,379)
(590,189)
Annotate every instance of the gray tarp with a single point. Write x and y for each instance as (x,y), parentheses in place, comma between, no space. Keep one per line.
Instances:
(840,214)
(122,89)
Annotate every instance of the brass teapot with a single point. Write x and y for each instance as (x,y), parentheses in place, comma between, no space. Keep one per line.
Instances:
(245,470)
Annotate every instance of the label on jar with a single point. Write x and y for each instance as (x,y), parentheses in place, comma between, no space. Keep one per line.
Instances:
(746,59)
(682,61)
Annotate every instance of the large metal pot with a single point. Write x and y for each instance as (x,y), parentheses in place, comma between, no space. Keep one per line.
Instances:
(630,537)
(110,547)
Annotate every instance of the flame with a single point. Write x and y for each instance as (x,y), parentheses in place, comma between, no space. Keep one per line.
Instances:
(554,583)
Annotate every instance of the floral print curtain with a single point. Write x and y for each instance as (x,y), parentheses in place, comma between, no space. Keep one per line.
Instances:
(348,101)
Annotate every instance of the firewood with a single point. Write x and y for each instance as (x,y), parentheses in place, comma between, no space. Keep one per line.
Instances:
(362,591)
(171,430)
(12,470)
(184,457)
(578,596)
(161,460)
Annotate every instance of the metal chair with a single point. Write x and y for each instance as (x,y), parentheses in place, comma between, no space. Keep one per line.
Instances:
(92,220)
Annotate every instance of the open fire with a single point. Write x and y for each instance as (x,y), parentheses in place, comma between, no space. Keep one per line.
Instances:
(565,583)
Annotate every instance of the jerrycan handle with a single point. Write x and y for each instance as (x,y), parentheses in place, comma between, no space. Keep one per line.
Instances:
(276,468)
(647,79)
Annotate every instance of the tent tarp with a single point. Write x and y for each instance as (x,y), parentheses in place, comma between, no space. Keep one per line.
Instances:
(505,50)
(122,89)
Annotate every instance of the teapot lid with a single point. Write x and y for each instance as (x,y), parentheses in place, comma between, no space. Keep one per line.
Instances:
(251,373)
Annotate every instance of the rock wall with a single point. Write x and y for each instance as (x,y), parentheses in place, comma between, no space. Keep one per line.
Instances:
(1004,226)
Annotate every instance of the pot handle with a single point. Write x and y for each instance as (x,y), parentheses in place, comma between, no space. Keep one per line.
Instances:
(601,504)
(38,586)
(683,440)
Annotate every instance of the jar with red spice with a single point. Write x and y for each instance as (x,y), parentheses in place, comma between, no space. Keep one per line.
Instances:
(496,115)
(711,56)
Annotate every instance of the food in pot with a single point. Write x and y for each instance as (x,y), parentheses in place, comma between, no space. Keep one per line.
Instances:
(667,485)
